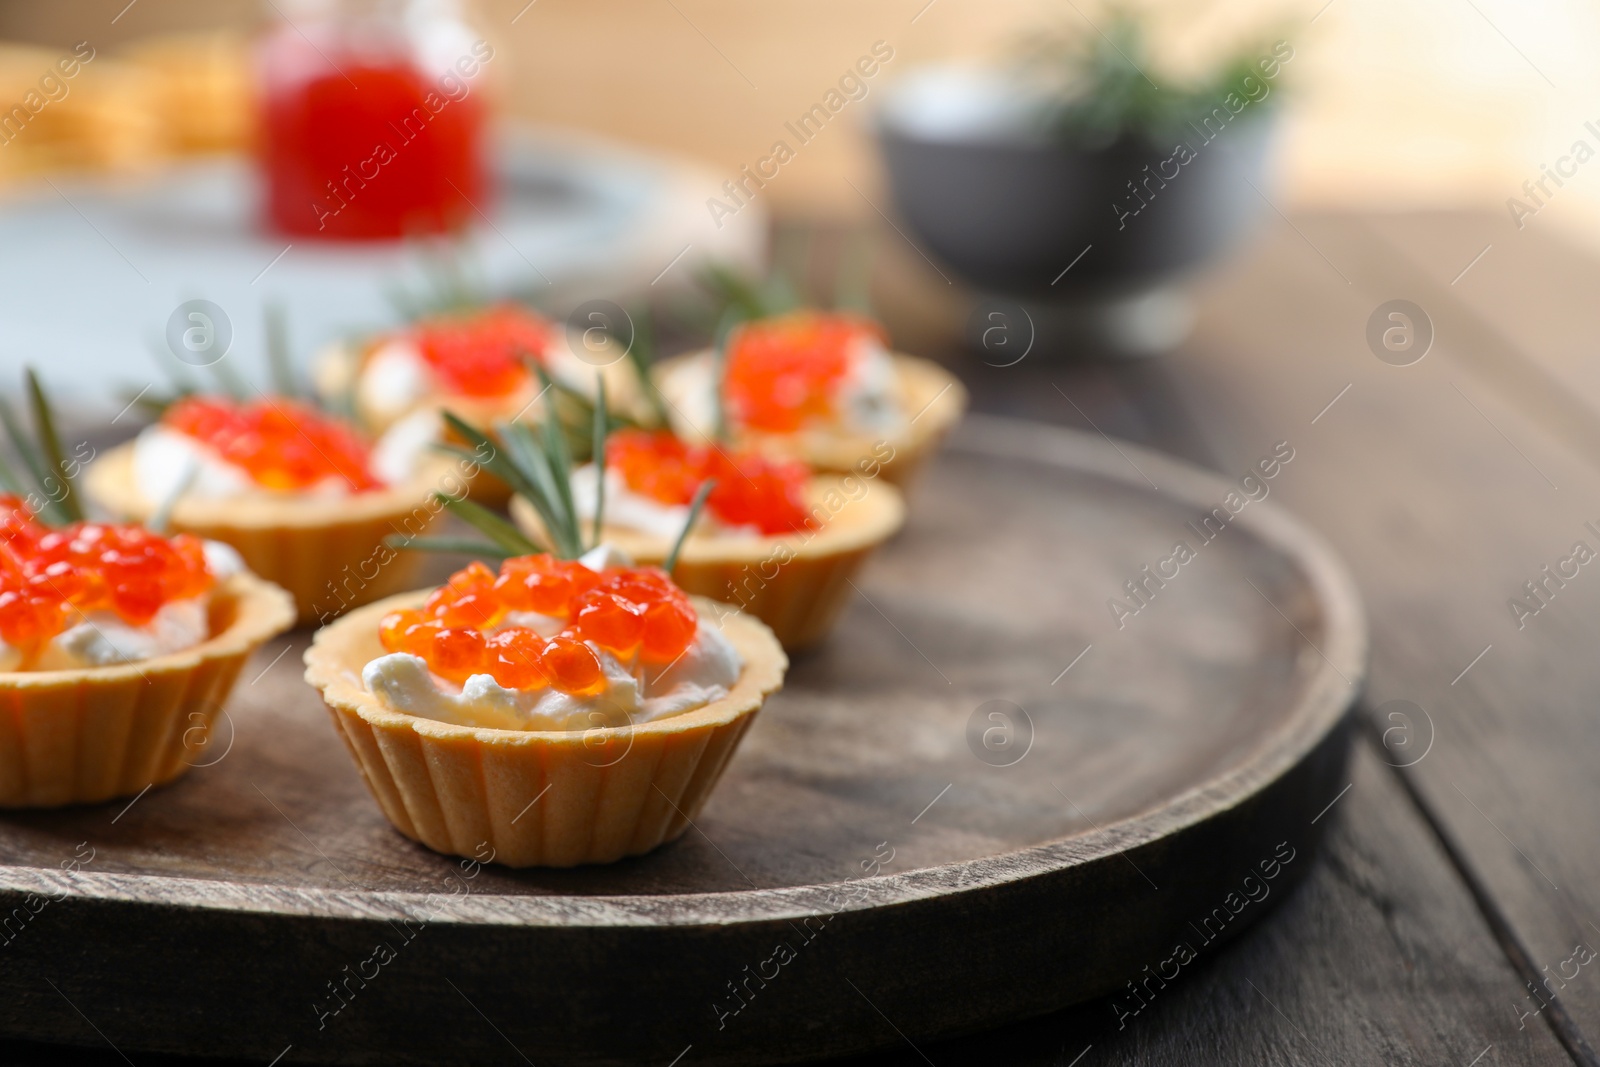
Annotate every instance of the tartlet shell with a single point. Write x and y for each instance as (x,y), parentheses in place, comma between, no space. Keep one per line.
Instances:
(328,553)
(933,398)
(89,734)
(465,791)
(800,597)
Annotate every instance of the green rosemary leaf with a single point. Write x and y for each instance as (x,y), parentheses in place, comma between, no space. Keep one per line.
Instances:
(233,383)
(532,461)
(497,462)
(182,384)
(466,456)
(466,546)
(9,480)
(719,375)
(699,502)
(33,461)
(791,257)
(737,293)
(597,454)
(492,526)
(44,423)
(560,458)
(641,355)
(279,361)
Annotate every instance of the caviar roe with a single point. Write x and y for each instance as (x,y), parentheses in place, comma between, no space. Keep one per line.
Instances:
(459,630)
(783,372)
(485,354)
(50,578)
(751,489)
(281,444)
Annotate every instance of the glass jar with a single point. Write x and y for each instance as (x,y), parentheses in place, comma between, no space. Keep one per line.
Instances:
(372,116)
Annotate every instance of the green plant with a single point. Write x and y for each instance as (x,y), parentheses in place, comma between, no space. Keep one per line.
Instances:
(280,373)
(1102,83)
(537,464)
(48,486)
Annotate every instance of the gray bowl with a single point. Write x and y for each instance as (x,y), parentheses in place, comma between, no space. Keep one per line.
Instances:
(1009,209)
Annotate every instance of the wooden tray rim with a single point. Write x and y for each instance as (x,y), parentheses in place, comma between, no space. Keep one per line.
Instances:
(1330,691)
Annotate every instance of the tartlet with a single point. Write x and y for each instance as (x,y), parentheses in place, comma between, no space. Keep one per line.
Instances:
(913,402)
(794,574)
(475,363)
(118,644)
(328,551)
(89,734)
(480,364)
(553,798)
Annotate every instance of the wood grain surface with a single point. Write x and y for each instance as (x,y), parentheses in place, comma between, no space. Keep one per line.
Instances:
(1161,781)
(1385,955)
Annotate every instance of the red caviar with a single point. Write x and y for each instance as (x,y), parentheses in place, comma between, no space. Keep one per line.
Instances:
(49,578)
(281,444)
(751,489)
(459,629)
(484,354)
(782,372)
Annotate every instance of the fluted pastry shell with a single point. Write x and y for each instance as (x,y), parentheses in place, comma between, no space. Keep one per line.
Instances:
(931,397)
(538,798)
(799,583)
(93,733)
(328,552)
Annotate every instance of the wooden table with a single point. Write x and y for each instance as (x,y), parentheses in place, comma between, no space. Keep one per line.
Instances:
(1450,883)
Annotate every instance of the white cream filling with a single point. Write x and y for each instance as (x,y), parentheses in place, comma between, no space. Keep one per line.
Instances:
(866,398)
(635,692)
(163,459)
(102,638)
(396,379)
(634,511)
(393,381)
(397,454)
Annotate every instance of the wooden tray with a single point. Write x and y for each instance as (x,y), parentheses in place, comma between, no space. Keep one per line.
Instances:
(869,872)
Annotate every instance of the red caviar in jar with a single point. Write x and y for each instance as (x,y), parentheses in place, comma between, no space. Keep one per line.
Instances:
(782,372)
(280,443)
(625,610)
(751,489)
(485,354)
(49,578)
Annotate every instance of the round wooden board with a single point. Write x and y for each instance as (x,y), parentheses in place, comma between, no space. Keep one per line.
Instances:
(884,860)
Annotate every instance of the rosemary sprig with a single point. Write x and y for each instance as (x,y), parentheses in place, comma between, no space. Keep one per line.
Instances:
(641,355)
(465,546)
(574,410)
(719,376)
(492,526)
(597,454)
(235,384)
(50,444)
(42,456)
(538,467)
(695,506)
(748,297)
(279,361)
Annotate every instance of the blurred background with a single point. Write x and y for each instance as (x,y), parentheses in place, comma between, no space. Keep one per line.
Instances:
(627,118)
